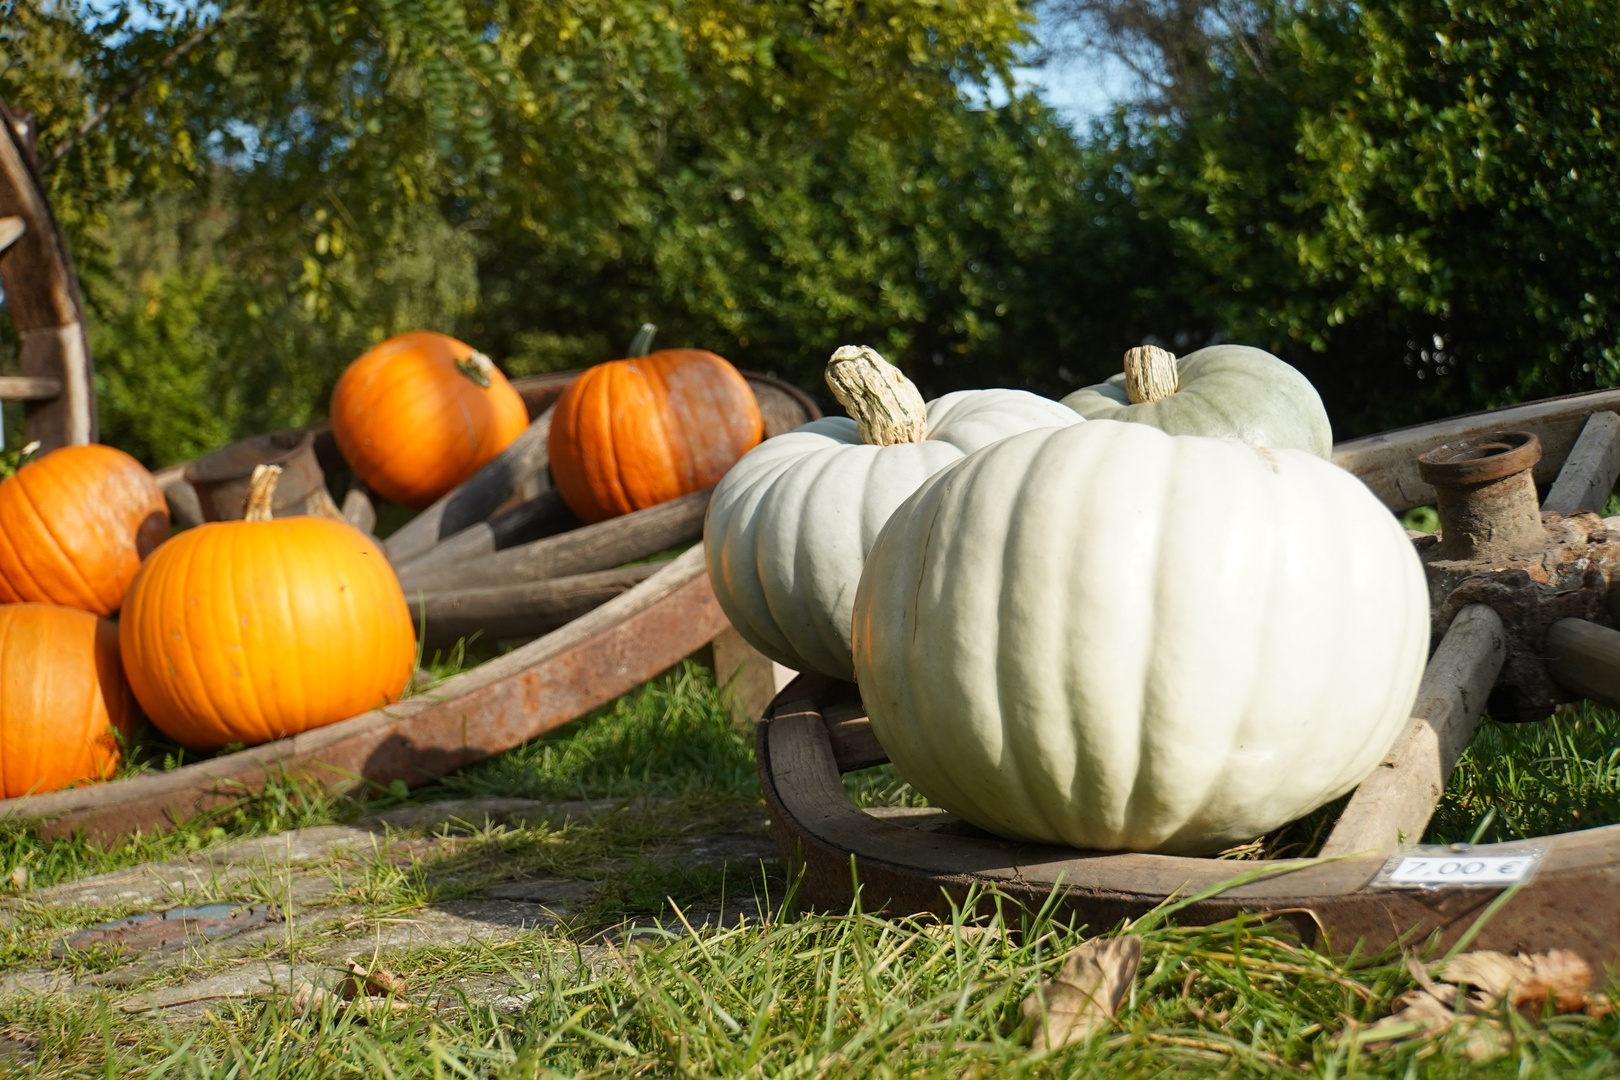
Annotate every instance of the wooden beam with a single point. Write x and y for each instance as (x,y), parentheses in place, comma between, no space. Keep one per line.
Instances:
(544,515)
(476,498)
(593,547)
(1585,658)
(29,388)
(358,509)
(513,611)
(1394,803)
(1588,474)
(11,229)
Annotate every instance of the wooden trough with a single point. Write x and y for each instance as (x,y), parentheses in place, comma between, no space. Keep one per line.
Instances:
(1527,628)
(499,555)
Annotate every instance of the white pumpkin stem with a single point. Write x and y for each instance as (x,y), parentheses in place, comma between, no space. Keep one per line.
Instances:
(884,404)
(261,491)
(477,367)
(1150,374)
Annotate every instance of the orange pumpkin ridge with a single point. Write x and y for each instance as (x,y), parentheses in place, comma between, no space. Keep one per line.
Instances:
(633,433)
(62,693)
(255,630)
(413,425)
(74,526)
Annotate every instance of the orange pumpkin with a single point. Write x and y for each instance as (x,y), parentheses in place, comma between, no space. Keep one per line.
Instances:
(631,434)
(74,527)
(61,695)
(247,631)
(422,412)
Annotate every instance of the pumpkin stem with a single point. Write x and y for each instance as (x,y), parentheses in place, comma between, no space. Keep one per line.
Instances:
(477,367)
(885,405)
(1150,374)
(261,490)
(641,344)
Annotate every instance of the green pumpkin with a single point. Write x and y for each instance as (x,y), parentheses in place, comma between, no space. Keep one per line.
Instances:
(1226,391)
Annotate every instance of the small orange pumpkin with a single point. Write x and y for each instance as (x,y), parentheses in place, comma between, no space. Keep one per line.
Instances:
(62,693)
(75,525)
(422,412)
(634,433)
(248,631)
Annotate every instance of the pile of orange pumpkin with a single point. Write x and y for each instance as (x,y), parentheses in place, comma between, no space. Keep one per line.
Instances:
(240,632)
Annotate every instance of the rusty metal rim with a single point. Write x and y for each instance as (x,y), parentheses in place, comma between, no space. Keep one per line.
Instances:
(1480,459)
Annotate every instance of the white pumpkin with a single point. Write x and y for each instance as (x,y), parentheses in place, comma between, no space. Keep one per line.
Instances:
(1230,391)
(789,526)
(1117,639)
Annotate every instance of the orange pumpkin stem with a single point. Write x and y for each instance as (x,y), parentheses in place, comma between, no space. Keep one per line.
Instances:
(1150,374)
(261,491)
(477,367)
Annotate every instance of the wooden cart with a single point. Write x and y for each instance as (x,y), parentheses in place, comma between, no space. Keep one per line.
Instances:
(1527,628)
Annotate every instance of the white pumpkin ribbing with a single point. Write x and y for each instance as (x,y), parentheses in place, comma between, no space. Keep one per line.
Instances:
(1116,639)
(790,525)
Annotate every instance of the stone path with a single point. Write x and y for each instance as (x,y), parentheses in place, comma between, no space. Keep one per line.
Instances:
(261,916)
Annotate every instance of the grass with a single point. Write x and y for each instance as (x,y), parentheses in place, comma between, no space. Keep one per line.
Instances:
(816,995)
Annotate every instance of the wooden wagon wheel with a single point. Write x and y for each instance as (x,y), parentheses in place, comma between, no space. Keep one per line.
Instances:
(55,385)
(1528,622)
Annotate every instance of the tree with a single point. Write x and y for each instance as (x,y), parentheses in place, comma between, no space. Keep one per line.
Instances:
(767,179)
(1416,201)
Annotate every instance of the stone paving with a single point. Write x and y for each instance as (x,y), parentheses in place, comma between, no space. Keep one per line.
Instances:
(293,908)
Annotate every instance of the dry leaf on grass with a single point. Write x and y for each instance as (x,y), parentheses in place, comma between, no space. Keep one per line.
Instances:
(379,983)
(307,996)
(1530,984)
(1086,993)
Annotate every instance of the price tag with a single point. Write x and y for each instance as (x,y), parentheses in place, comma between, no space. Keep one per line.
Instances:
(1459,865)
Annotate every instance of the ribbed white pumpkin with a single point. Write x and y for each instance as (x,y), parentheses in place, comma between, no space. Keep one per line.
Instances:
(790,525)
(1229,391)
(1117,639)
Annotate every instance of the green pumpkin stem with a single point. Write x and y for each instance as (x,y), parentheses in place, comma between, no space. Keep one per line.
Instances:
(1150,374)
(641,344)
(261,492)
(477,367)
(884,404)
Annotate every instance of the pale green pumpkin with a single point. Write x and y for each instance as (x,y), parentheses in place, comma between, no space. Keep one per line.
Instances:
(1224,391)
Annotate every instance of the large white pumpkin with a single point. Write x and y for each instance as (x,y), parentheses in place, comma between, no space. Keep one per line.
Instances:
(790,525)
(1117,639)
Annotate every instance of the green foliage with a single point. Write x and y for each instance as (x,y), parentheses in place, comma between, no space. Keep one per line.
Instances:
(764,179)
(1416,200)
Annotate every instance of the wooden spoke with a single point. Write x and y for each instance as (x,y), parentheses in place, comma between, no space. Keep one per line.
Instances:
(29,388)
(1393,805)
(1589,473)
(1585,658)
(11,229)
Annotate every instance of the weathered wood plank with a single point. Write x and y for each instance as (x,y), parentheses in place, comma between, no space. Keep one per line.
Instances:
(43,297)
(1394,803)
(591,547)
(544,515)
(1588,474)
(1585,658)
(485,711)
(1387,462)
(522,610)
(358,509)
(29,387)
(12,227)
(477,498)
